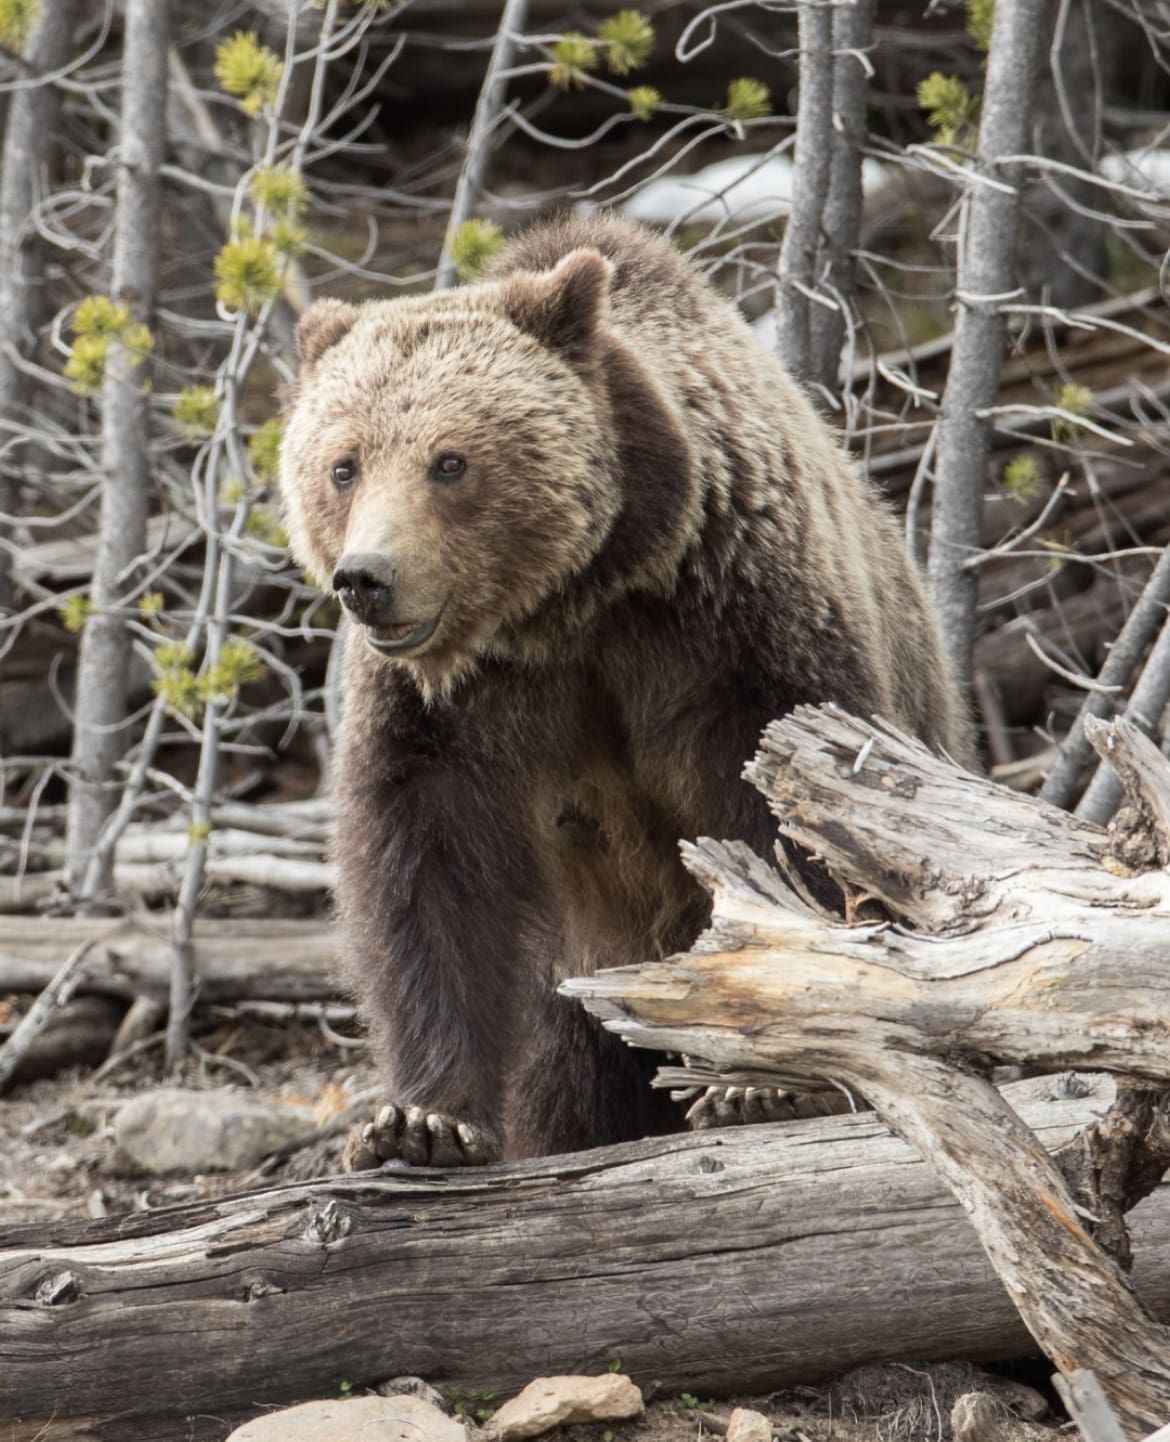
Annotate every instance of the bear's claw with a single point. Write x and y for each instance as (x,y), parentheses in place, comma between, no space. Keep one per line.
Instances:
(739,1106)
(421,1138)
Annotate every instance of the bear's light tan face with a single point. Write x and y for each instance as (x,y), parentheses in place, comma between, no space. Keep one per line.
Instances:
(444,469)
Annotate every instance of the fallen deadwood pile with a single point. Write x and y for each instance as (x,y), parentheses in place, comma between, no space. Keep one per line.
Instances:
(715,1262)
(1010,933)
(272,960)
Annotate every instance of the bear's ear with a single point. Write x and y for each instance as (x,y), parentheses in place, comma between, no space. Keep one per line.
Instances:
(561,308)
(323,325)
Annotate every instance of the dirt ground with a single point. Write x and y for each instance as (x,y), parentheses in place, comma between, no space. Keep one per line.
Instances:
(58,1159)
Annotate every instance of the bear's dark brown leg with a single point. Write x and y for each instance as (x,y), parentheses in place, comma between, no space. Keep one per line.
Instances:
(581,1087)
(435,880)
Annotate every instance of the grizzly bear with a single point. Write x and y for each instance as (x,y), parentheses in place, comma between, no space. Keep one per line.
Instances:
(590,539)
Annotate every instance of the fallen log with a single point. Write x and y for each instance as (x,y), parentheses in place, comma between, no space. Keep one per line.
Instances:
(715,1262)
(267,960)
(1012,933)
(156,880)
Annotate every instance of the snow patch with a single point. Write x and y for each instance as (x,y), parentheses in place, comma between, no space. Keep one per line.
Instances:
(741,188)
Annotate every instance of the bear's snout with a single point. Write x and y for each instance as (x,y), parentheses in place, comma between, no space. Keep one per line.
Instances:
(365,587)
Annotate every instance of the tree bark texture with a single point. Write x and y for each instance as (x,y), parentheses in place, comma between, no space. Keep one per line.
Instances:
(715,1262)
(987,276)
(1017,939)
(30,141)
(103,663)
(810,186)
(852,38)
(1143,623)
(1144,709)
(271,960)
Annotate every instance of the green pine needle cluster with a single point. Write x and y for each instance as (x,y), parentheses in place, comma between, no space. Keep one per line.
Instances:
(980,14)
(174,681)
(289,237)
(628,38)
(86,366)
(96,322)
(1022,479)
(625,40)
(249,70)
(99,315)
(1077,400)
(645,101)
(17,18)
(239,663)
(248,273)
(748,99)
(196,411)
(187,692)
(284,194)
(74,612)
(473,245)
(950,107)
(280,190)
(574,55)
(264,450)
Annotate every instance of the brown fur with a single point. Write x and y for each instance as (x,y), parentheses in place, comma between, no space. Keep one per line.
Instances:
(657,547)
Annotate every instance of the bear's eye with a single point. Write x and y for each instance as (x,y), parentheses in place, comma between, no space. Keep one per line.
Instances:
(345,472)
(449,467)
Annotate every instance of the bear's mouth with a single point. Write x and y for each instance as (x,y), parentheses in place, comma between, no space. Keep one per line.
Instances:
(402,636)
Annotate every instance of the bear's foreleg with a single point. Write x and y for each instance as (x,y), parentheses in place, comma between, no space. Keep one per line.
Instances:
(434,882)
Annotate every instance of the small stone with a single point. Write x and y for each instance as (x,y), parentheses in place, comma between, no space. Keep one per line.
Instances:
(977,1417)
(556,1401)
(355,1419)
(744,1425)
(412,1387)
(177,1130)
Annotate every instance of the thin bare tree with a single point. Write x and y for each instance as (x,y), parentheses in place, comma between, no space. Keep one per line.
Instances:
(987,279)
(99,737)
(852,38)
(30,139)
(479,140)
(810,189)
(1142,625)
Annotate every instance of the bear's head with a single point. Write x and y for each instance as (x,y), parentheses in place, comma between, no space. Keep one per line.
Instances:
(451,462)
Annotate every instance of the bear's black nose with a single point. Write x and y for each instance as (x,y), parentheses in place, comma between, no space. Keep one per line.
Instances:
(365,586)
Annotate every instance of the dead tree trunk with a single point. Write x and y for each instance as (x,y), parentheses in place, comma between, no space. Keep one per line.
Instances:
(720,1261)
(31,139)
(987,278)
(104,658)
(1018,936)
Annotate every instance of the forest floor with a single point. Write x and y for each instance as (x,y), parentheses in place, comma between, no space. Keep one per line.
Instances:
(59,1159)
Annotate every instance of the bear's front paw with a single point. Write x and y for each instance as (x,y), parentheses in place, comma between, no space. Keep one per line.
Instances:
(739,1107)
(421,1138)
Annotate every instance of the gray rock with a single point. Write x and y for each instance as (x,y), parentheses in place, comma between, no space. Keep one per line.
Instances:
(356,1419)
(555,1401)
(174,1130)
(978,1417)
(744,1425)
